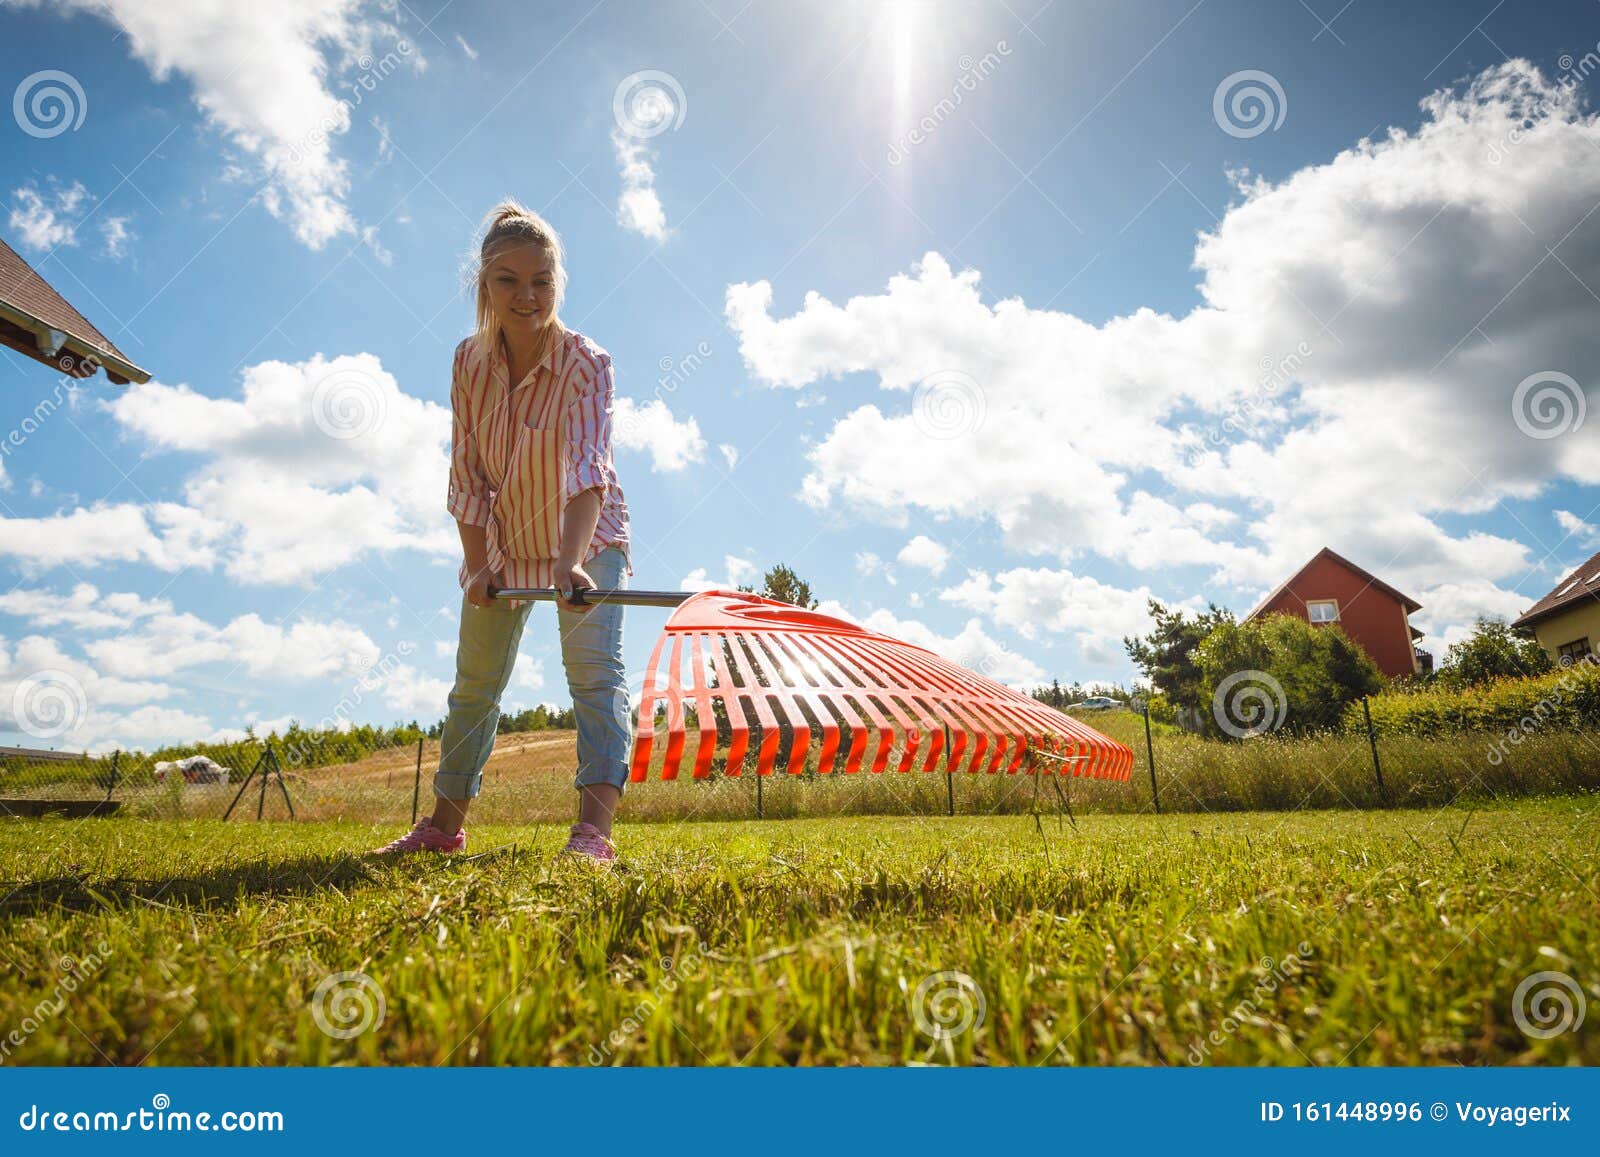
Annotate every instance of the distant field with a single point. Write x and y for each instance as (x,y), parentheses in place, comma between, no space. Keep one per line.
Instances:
(528,779)
(1377,937)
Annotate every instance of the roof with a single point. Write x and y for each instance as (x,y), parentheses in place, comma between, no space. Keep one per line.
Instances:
(1582,585)
(1373,580)
(37,321)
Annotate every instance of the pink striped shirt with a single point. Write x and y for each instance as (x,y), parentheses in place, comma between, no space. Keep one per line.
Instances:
(570,391)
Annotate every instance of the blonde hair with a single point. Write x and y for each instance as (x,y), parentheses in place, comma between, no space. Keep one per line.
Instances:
(510,224)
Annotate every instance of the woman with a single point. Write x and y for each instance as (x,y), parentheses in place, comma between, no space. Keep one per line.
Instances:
(538,504)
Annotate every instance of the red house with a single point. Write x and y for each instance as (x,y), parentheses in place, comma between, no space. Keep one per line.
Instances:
(1332,589)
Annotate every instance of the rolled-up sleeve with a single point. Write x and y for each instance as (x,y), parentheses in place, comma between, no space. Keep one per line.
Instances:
(469,495)
(588,433)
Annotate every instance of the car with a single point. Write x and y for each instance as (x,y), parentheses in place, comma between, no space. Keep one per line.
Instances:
(1094,703)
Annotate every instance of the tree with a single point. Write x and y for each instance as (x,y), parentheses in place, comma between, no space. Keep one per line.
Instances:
(1167,654)
(1280,672)
(785,586)
(1493,651)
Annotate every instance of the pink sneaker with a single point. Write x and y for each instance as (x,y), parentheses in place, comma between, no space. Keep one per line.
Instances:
(425,838)
(586,840)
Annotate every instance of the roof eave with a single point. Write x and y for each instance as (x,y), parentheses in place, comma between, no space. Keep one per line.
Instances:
(51,341)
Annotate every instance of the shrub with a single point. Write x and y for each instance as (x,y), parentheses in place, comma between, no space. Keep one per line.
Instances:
(1565,699)
(1317,672)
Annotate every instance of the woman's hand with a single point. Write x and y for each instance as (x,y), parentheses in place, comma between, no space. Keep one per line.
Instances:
(478,587)
(567,576)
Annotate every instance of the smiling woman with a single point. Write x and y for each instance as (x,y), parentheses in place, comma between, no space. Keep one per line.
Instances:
(538,504)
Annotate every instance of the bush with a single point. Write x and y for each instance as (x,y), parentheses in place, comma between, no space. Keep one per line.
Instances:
(1566,699)
(1280,671)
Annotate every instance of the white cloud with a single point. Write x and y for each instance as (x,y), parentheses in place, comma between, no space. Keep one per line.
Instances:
(1586,533)
(260,75)
(924,552)
(44,221)
(971,647)
(165,535)
(638,207)
(740,572)
(314,466)
(152,640)
(117,237)
(868,564)
(43,691)
(84,609)
(651,428)
(414,693)
(1346,379)
(1028,600)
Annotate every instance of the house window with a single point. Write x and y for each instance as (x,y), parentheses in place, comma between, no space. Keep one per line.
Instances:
(1323,610)
(1573,652)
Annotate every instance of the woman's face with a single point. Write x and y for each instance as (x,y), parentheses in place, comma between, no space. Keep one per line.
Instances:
(522,289)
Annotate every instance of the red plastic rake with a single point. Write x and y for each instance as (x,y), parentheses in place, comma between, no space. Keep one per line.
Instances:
(762,671)
(773,671)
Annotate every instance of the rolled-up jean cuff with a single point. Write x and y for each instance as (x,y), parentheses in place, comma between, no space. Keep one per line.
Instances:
(616,774)
(457,784)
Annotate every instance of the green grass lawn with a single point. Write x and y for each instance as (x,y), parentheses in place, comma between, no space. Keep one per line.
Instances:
(1310,937)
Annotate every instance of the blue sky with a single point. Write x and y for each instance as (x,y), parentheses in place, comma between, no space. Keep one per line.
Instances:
(991,319)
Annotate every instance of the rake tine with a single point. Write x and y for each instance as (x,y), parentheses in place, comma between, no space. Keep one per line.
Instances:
(738,721)
(705,714)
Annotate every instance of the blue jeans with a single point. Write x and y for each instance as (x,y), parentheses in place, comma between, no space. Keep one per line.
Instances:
(591,651)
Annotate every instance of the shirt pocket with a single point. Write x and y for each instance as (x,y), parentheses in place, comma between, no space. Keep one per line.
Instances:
(528,506)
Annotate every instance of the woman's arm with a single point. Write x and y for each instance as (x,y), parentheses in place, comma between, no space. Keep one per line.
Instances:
(578,521)
(588,434)
(469,495)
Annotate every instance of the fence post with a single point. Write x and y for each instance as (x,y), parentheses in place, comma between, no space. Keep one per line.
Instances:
(111,780)
(416,788)
(1150,751)
(1372,741)
(949,779)
(758,794)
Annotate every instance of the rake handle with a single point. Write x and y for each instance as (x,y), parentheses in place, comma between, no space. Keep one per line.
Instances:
(594,595)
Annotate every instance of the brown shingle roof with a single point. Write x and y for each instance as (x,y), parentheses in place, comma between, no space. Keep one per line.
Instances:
(30,305)
(1582,584)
